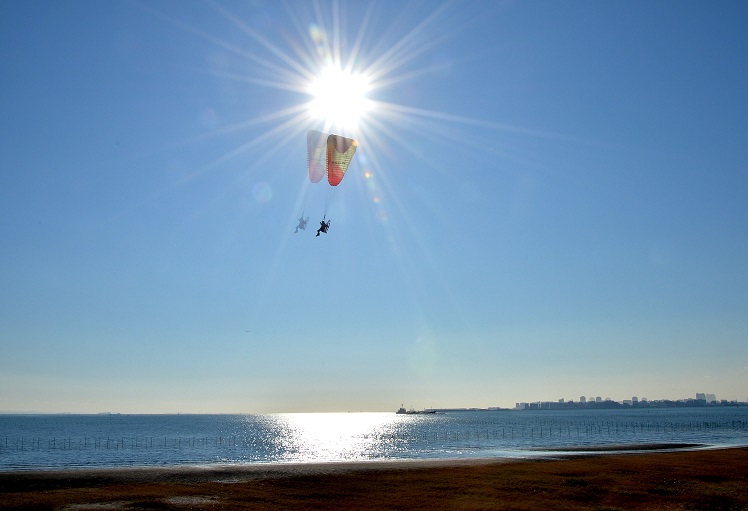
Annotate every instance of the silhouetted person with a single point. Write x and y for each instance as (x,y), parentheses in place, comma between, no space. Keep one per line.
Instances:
(323,227)
(302,224)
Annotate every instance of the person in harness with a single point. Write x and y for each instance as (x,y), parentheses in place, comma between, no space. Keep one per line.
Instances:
(302,223)
(323,226)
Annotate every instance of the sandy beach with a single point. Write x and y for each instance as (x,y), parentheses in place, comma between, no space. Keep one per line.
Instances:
(709,479)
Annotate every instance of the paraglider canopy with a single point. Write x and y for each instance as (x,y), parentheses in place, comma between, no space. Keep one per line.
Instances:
(328,155)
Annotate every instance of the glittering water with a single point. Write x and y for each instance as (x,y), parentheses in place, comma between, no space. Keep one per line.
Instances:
(80,441)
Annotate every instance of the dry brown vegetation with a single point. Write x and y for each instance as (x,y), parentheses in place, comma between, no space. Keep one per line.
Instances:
(703,480)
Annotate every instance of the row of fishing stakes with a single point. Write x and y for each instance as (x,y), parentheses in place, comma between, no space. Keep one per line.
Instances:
(578,430)
(568,430)
(117,443)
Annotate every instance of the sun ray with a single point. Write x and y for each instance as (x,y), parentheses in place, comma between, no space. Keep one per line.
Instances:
(294,64)
(297,111)
(234,49)
(294,85)
(328,51)
(289,127)
(336,33)
(359,42)
(407,223)
(404,50)
(382,71)
(318,50)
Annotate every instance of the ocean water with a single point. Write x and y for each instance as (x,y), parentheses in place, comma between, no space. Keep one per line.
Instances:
(29,442)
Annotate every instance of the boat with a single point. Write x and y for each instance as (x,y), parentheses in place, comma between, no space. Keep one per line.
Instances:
(403,411)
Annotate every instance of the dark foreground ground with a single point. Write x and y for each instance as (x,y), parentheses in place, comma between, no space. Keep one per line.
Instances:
(698,480)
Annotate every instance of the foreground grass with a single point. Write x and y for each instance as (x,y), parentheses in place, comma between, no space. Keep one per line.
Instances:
(710,480)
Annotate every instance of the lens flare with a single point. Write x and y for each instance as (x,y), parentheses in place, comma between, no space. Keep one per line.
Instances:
(262,192)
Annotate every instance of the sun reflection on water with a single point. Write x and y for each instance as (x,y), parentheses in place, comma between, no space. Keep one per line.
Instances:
(335,436)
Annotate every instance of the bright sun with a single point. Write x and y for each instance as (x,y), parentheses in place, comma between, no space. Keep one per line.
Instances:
(340,97)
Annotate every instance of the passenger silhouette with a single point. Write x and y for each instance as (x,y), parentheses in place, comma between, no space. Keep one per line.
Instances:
(302,224)
(323,227)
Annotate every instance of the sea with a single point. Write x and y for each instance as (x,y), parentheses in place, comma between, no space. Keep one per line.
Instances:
(48,442)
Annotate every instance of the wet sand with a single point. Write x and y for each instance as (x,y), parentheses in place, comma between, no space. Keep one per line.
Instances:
(633,477)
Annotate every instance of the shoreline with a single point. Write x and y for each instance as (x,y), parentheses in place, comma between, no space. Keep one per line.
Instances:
(237,472)
(319,466)
(690,478)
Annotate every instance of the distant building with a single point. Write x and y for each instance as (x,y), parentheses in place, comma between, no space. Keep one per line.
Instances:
(700,396)
(709,400)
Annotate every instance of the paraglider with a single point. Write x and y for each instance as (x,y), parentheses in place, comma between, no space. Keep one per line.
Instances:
(328,155)
(302,223)
(323,226)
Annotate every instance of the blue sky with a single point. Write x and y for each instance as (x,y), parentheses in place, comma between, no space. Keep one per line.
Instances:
(548,201)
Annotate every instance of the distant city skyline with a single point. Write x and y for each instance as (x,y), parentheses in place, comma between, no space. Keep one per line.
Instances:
(706,398)
(700,397)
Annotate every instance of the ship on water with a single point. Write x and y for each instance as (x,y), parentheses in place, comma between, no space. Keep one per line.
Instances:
(403,411)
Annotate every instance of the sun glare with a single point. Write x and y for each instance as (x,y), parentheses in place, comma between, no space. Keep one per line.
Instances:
(339,97)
